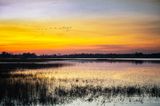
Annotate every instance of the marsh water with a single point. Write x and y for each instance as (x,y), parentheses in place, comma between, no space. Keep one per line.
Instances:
(81,82)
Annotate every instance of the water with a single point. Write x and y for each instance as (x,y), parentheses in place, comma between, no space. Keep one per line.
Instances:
(85,82)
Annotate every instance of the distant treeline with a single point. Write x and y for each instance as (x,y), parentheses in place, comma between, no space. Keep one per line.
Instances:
(83,55)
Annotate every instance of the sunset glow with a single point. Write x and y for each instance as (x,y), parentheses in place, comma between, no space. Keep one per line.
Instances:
(75,26)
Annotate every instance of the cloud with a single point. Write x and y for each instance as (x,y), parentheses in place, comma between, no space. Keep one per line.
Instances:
(126,48)
(71,8)
(112,46)
(145,26)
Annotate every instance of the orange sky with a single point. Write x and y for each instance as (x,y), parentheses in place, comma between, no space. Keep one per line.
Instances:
(115,32)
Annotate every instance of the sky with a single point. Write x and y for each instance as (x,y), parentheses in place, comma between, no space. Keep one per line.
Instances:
(80,26)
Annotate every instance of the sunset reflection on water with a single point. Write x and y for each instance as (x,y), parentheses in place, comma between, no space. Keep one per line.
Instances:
(109,74)
(83,82)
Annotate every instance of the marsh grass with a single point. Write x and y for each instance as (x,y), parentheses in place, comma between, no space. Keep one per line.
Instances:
(22,90)
(54,84)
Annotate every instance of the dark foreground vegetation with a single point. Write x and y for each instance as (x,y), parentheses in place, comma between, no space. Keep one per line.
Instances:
(36,92)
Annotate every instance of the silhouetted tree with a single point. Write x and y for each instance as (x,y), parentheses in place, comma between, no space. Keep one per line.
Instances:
(82,55)
(29,55)
(5,55)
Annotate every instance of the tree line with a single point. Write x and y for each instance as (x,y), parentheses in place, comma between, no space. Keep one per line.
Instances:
(81,55)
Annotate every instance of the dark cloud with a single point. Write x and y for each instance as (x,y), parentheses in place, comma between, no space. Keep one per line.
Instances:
(127,48)
(108,46)
(149,27)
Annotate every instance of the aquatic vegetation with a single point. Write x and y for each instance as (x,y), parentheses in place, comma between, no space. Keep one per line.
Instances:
(69,81)
(36,91)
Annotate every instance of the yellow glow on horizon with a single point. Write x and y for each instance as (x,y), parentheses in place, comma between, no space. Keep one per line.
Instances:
(73,35)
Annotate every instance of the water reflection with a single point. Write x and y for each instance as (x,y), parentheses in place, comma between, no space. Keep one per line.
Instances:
(65,82)
(13,66)
(118,60)
(33,92)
